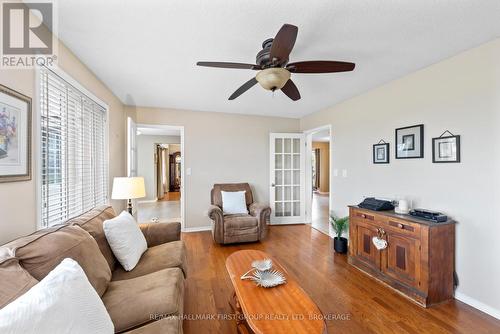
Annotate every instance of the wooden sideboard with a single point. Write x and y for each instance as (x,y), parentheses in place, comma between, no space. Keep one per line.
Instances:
(419,258)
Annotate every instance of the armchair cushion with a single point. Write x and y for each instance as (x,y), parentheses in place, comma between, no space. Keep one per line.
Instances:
(160,233)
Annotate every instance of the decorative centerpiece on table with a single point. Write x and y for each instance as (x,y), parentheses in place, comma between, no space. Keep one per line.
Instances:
(340,226)
(263,274)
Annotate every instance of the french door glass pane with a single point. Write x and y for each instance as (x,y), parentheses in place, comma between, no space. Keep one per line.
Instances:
(278,147)
(296,193)
(279,194)
(288,193)
(278,177)
(288,161)
(296,145)
(288,177)
(288,209)
(278,161)
(296,161)
(296,208)
(296,177)
(278,209)
(288,145)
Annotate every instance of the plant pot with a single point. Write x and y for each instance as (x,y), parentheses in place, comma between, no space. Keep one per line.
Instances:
(340,245)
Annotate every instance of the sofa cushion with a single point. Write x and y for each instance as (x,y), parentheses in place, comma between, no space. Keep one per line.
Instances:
(15,281)
(42,251)
(240,221)
(133,302)
(62,302)
(168,255)
(168,325)
(91,221)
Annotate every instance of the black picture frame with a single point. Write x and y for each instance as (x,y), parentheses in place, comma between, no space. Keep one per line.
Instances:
(417,134)
(376,148)
(438,145)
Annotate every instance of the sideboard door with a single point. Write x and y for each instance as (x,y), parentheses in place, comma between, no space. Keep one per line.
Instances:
(365,250)
(401,259)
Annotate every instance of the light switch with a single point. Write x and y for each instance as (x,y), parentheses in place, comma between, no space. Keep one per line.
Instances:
(344,172)
(335,172)
(188,171)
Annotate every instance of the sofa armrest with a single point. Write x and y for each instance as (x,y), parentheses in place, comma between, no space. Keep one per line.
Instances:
(262,212)
(217,216)
(160,233)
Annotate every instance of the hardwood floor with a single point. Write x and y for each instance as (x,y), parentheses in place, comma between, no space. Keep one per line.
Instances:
(171,196)
(351,301)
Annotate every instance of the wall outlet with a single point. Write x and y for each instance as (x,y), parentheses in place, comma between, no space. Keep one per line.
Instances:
(344,172)
(335,172)
(188,171)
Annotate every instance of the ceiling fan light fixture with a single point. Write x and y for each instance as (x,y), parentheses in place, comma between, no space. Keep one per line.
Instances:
(273,78)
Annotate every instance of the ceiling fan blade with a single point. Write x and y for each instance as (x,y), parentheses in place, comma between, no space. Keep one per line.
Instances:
(283,43)
(228,65)
(291,90)
(320,66)
(246,86)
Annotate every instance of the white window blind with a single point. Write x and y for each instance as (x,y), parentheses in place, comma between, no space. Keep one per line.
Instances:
(73,150)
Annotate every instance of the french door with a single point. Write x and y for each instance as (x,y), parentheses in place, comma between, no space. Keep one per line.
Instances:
(287,178)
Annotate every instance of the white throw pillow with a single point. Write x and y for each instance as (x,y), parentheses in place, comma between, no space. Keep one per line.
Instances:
(62,302)
(234,202)
(125,239)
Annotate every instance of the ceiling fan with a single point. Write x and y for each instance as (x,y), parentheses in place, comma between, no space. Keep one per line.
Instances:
(274,68)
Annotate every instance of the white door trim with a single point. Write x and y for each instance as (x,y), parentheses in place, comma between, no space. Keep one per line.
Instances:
(276,220)
(308,170)
(183,165)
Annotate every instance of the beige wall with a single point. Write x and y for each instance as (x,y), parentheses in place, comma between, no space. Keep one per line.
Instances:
(18,200)
(241,152)
(145,160)
(324,167)
(461,94)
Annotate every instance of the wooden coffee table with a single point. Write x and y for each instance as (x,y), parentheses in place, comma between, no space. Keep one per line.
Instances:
(282,309)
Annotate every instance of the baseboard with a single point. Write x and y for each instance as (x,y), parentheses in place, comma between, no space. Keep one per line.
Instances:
(323,192)
(477,304)
(148,201)
(197,229)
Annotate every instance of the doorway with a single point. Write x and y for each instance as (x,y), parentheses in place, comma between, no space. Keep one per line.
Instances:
(318,178)
(160,156)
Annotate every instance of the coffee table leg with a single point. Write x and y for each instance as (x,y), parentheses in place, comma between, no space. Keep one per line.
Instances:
(241,324)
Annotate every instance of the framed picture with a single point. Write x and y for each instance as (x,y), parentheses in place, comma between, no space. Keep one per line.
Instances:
(381,153)
(15,136)
(446,149)
(410,142)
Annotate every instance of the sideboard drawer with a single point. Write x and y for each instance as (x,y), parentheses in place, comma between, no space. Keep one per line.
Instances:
(402,227)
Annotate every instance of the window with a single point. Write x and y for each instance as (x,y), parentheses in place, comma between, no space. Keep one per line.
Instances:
(73,161)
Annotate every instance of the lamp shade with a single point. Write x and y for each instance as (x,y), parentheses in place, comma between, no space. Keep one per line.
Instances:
(128,188)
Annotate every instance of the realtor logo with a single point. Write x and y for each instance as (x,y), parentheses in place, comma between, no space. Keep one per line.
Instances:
(27,34)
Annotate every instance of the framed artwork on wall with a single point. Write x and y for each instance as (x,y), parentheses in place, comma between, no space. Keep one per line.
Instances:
(381,153)
(410,142)
(15,136)
(446,149)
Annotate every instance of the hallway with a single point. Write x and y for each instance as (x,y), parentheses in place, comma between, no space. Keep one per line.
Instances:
(320,216)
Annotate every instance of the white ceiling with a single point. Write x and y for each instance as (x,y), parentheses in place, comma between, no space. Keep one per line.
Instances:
(146,51)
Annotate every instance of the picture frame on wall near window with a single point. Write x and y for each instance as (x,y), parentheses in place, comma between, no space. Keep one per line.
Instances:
(446,149)
(381,153)
(410,142)
(15,136)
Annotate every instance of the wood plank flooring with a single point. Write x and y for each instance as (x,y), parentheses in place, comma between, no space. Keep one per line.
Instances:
(351,301)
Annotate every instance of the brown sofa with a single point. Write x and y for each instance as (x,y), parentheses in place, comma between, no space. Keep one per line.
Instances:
(227,229)
(148,299)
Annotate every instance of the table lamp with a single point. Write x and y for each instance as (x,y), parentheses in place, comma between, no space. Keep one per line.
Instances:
(128,188)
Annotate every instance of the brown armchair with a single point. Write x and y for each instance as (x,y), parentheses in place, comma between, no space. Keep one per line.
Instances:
(227,229)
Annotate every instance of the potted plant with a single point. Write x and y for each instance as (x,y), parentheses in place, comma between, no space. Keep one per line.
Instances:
(339,225)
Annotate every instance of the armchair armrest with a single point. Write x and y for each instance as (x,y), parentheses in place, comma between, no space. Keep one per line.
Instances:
(217,216)
(262,212)
(160,233)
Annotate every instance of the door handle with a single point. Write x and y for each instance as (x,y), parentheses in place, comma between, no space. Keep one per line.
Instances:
(272,185)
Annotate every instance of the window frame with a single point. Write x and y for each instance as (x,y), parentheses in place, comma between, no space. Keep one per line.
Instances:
(37,133)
